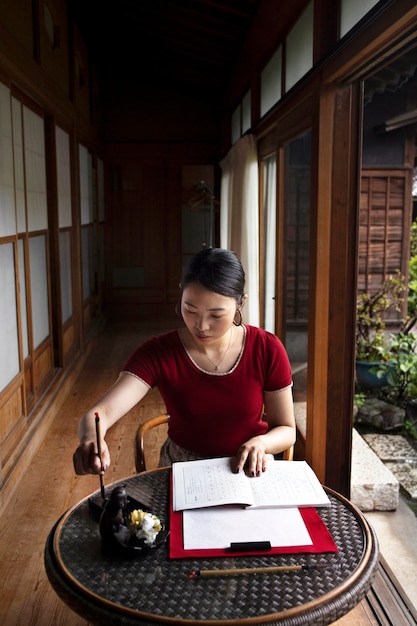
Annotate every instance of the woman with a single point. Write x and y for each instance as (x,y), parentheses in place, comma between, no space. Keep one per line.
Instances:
(227,386)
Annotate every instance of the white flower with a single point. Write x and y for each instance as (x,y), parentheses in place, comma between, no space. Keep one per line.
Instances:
(146,525)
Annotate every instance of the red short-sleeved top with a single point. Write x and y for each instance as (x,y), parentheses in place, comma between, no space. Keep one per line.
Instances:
(212,414)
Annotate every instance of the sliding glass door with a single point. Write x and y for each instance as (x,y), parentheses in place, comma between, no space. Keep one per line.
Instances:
(297,197)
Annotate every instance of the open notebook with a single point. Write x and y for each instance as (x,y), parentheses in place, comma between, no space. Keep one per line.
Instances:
(211,482)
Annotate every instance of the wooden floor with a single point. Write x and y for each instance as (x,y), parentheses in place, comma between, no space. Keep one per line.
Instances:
(26,597)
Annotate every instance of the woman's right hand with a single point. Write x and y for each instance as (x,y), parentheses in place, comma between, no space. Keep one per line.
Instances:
(116,402)
(87,461)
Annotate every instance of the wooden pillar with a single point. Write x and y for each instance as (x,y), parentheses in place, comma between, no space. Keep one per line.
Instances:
(53,229)
(333,285)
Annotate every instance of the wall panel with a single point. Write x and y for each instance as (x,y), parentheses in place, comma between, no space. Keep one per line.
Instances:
(385,207)
(10,412)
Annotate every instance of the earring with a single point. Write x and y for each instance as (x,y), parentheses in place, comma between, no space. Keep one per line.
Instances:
(178,309)
(239,319)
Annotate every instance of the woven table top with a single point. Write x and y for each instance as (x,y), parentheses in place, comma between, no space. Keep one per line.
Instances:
(154,589)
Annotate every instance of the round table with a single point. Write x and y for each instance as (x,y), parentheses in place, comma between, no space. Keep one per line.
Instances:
(155,589)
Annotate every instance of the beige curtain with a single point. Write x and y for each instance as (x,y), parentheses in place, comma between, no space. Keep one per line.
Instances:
(239,216)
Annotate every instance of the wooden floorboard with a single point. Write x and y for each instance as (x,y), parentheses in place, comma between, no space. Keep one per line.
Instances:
(26,597)
(388,601)
(385,604)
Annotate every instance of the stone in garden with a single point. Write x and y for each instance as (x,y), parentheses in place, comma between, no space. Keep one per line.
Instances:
(380,414)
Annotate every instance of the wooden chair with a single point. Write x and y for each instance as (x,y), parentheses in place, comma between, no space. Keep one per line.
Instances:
(140,439)
(140,462)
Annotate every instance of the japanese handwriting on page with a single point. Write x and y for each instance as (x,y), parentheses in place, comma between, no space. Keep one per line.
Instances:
(215,483)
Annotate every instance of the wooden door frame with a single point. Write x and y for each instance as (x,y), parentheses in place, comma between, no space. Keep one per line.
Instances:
(333,263)
(337,125)
(333,98)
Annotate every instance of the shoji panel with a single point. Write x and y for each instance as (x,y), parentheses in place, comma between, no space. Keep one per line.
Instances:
(9,353)
(39,288)
(7,206)
(19,175)
(35,173)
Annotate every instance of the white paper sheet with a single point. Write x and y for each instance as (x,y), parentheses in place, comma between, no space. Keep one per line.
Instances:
(218,527)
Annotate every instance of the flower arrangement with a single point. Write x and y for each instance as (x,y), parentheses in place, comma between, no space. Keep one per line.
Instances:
(146,525)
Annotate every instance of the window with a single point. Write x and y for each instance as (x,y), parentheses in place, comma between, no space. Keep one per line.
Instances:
(351,11)
(297,196)
(271,82)
(299,48)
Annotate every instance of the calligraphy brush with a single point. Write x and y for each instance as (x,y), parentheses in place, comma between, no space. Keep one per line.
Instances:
(252,570)
(99,454)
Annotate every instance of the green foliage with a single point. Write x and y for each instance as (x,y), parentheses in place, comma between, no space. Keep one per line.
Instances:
(413,249)
(412,283)
(372,343)
(359,399)
(375,348)
(401,370)
(410,430)
(412,289)
(395,354)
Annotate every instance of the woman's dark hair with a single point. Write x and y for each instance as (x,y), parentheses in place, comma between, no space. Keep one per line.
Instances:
(218,270)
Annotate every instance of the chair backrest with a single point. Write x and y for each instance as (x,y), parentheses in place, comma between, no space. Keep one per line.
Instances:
(288,455)
(140,462)
(140,439)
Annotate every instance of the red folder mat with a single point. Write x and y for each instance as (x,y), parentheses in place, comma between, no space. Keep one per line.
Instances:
(320,537)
